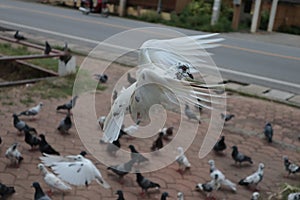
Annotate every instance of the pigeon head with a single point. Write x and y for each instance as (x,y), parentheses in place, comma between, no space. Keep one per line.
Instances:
(222,137)
(180,150)
(41,104)
(234,148)
(161,134)
(119,192)
(261,166)
(41,166)
(255,195)
(199,186)
(42,136)
(211,162)
(268,124)
(15,115)
(180,194)
(36,185)
(165,194)
(285,158)
(131,147)
(14,146)
(83,153)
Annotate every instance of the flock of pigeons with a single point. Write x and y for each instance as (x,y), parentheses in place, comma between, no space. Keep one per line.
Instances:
(77,170)
(50,157)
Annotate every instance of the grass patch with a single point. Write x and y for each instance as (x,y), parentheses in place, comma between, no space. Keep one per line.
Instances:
(47,63)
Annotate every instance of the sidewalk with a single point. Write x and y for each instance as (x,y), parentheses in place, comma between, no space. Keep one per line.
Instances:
(245,130)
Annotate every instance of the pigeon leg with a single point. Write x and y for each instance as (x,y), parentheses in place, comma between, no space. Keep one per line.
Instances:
(121,180)
(49,193)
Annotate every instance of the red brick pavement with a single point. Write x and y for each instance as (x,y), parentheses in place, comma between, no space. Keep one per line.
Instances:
(245,130)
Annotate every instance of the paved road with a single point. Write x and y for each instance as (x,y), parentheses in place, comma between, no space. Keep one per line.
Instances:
(272,65)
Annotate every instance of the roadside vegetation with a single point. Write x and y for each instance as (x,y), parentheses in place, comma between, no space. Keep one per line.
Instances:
(51,87)
(196,15)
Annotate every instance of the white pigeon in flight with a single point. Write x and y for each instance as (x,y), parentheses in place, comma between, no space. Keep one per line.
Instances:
(76,170)
(53,181)
(164,76)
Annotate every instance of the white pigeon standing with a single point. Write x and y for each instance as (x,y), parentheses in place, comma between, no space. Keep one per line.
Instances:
(254,178)
(101,121)
(53,181)
(32,111)
(75,170)
(163,77)
(182,160)
(255,196)
(180,196)
(14,155)
(294,196)
(221,177)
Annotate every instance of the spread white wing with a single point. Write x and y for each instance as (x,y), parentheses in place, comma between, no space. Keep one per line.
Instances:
(160,80)
(79,172)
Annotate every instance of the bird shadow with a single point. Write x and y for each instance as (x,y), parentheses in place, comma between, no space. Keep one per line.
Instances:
(244,165)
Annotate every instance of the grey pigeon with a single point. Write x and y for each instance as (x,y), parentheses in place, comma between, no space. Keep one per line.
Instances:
(220,145)
(255,196)
(145,183)
(45,147)
(122,169)
(21,125)
(39,193)
(254,178)
(158,143)
(268,131)
(67,56)
(190,114)
(294,196)
(120,195)
(239,157)
(6,191)
(227,117)
(130,79)
(291,168)
(164,196)
(113,147)
(32,111)
(18,36)
(135,155)
(68,106)
(102,78)
(65,124)
(115,95)
(209,187)
(47,48)
(32,140)
(13,154)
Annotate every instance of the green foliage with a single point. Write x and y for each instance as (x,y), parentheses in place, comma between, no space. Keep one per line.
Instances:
(264,20)
(290,29)
(151,16)
(197,15)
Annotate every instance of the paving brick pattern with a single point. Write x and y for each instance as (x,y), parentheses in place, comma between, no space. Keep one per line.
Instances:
(245,131)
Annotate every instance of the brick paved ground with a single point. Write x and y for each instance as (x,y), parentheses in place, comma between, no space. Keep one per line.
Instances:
(245,130)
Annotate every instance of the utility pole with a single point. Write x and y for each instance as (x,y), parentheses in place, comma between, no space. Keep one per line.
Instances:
(272,15)
(236,14)
(122,8)
(216,12)
(255,16)
(159,6)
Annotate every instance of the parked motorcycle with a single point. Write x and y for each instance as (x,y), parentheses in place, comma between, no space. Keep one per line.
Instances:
(88,6)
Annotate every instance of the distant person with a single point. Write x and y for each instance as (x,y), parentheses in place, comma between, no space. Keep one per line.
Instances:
(91,5)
